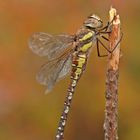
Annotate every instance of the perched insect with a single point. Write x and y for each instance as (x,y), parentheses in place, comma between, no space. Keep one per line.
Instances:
(67,53)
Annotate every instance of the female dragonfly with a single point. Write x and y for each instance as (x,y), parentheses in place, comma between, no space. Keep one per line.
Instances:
(67,53)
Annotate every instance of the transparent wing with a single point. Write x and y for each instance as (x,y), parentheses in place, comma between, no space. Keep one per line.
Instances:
(52,72)
(44,44)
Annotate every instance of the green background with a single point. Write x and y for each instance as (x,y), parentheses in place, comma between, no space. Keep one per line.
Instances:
(25,112)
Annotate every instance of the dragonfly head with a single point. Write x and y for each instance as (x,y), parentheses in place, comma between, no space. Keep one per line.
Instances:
(93,22)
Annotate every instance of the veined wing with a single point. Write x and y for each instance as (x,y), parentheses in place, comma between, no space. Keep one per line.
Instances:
(44,44)
(53,71)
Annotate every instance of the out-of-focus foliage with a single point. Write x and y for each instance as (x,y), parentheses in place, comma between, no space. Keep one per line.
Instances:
(25,112)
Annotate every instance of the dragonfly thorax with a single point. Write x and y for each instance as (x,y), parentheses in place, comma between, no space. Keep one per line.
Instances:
(93,22)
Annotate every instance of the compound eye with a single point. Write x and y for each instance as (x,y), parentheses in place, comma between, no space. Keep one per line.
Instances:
(94,17)
(93,23)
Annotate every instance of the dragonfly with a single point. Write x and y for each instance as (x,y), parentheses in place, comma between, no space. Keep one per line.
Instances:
(67,54)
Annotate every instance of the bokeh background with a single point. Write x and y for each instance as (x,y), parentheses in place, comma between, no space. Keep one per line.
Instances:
(25,112)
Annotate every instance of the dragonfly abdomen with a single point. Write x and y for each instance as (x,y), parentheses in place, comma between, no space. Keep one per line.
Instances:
(77,68)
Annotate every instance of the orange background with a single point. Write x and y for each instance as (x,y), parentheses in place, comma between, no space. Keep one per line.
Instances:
(25,112)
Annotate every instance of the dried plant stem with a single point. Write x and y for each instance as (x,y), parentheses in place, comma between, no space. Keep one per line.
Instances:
(111,107)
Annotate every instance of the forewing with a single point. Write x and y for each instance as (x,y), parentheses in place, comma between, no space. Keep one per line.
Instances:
(44,44)
(53,71)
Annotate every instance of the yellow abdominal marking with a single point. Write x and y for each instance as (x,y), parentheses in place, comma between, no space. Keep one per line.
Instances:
(81,62)
(85,47)
(78,71)
(86,36)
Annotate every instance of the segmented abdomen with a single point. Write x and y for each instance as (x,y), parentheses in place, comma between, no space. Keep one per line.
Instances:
(78,66)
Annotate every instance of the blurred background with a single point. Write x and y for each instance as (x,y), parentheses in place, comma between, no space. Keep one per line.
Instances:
(25,112)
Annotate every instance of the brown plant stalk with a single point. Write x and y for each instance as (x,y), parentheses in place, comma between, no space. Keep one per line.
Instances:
(111,94)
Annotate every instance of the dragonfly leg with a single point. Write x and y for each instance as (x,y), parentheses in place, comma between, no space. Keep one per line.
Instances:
(104,38)
(107,25)
(105,32)
(98,50)
(110,51)
(117,43)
